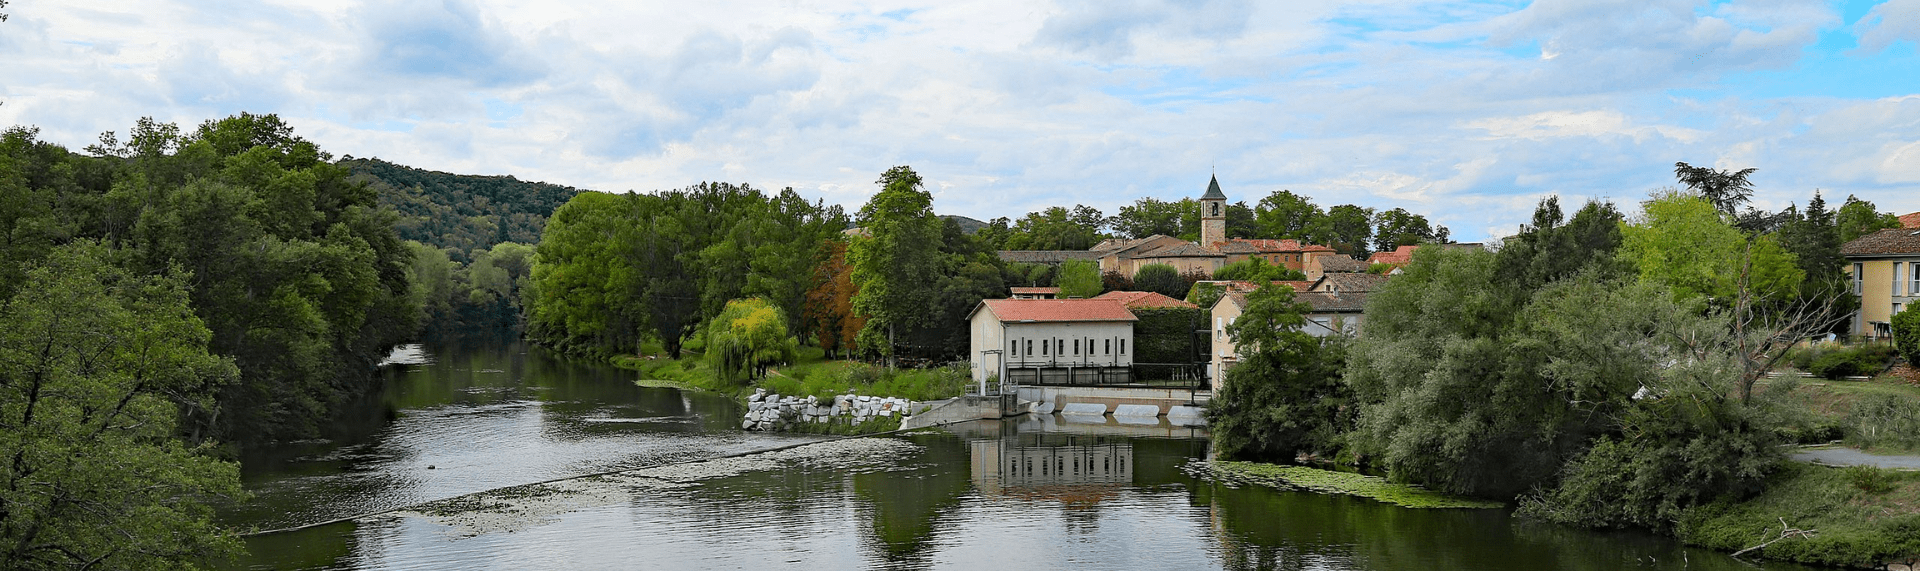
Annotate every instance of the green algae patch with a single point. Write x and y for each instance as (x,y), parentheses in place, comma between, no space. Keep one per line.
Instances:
(1331,482)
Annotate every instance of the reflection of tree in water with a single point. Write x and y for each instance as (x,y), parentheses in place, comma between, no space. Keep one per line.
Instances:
(1261,528)
(905,507)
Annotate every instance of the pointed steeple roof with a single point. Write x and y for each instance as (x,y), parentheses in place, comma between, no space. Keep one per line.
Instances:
(1213,190)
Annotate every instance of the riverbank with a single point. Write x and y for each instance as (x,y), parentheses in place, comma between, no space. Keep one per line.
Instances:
(1857,516)
(811,375)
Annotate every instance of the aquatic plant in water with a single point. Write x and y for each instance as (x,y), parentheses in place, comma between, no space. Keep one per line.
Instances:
(1331,482)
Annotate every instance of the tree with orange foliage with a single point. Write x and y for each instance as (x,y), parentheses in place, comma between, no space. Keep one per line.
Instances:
(830,302)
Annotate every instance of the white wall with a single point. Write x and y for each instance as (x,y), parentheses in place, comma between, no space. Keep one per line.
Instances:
(1105,339)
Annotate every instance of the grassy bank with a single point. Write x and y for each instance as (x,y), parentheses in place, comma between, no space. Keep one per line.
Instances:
(1861,517)
(810,375)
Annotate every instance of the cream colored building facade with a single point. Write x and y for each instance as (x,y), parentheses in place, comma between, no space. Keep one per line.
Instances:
(1885,270)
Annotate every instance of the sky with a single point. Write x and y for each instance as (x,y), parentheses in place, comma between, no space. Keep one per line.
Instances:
(1467,112)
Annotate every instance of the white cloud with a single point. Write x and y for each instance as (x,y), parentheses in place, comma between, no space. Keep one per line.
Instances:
(1551,124)
(1468,112)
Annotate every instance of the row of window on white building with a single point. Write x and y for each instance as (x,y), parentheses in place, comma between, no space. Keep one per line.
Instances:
(1024,347)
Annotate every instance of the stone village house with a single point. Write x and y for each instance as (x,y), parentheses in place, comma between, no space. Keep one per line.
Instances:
(1338,303)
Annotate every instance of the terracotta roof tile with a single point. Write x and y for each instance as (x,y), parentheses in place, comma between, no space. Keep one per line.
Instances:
(1144,300)
(1892,241)
(1911,220)
(1035,290)
(1057,310)
(1399,256)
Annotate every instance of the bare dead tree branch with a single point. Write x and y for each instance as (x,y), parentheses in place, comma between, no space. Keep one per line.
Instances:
(1786,532)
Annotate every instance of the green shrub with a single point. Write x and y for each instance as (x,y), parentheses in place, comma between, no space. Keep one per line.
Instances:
(1869,479)
(1906,333)
(1884,421)
(1864,360)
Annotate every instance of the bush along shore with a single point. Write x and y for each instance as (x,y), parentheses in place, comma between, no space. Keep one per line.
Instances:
(848,414)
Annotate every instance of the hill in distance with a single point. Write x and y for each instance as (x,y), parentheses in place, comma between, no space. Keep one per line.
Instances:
(457,212)
(967,225)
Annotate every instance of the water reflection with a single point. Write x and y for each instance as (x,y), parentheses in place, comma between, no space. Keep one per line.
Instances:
(1035,490)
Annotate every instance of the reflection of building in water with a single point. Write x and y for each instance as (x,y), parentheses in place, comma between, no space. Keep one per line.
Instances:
(1063,467)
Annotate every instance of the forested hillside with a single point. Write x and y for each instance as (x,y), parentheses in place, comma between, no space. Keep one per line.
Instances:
(460,213)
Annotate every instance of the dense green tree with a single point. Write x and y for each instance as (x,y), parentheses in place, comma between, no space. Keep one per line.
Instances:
(1057,228)
(97,365)
(1858,218)
(1162,279)
(1682,241)
(1257,270)
(1080,278)
(1397,227)
(1285,395)
(894,269)
(969,272)
(1350,230)
(1726,190)
(1682,439)
(1551,248)
(1814,241)
(1149,216)
(585,279)
(1284,214)
(298,272)
(996,233)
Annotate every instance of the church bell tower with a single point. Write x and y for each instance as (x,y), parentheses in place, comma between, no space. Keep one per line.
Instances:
(1213,216)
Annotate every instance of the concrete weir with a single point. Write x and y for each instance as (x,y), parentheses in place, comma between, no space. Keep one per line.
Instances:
(1128,405)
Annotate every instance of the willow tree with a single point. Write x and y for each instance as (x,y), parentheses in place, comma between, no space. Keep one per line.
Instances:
(748,336)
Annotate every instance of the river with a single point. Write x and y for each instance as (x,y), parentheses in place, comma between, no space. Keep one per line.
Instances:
(456,420)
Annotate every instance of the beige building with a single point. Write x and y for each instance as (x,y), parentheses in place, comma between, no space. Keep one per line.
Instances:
(1885,269)
(1060,341)
(1333,313)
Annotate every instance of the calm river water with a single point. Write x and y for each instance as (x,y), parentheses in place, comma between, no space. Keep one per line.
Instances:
(462,420)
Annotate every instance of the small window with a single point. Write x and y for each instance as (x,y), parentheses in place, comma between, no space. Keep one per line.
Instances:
(1859,276)
(1043,346)
(1896,279)
(1123,346)
(1059,346)
(1108,348)
(1029,347)
(1013,348)
(1076,346)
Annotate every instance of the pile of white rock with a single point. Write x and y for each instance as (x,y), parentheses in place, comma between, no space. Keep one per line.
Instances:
(774,412)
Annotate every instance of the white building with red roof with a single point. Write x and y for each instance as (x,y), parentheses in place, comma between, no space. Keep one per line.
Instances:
(1061,341)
